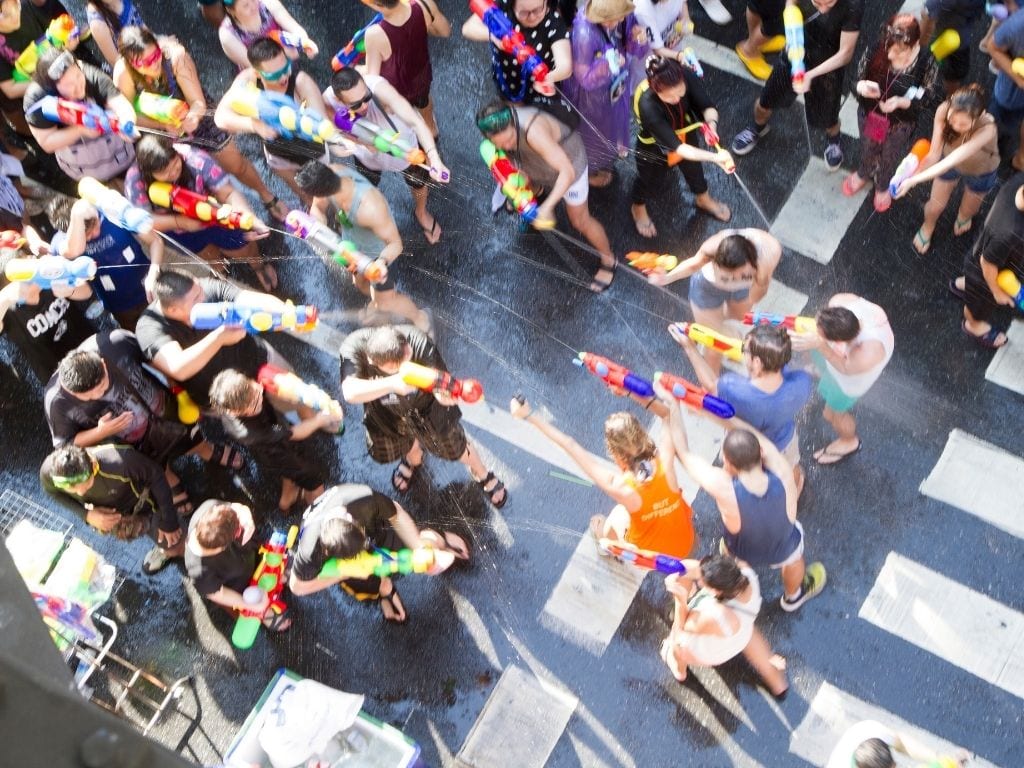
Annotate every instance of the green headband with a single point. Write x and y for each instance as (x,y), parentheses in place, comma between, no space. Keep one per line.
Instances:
(495,122)
(64,483)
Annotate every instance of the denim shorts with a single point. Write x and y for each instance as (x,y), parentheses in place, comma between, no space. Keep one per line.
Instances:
(707,296)
(979,185)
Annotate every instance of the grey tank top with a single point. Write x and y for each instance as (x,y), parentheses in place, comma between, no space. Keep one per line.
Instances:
(532,164)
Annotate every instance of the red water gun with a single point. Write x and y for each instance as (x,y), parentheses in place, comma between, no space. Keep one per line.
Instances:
(511,41)
(67,112)
(615,375)
(199,207)
(433,380)
(694,396)
(268,579)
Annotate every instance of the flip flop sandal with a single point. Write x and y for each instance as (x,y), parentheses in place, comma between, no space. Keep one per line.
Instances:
(279,622)
(600,286)
(497,488)
(427,233)
(987,340)
(183,506)
(226,456)
(400,477)
(839,457)
(960,294)
(271,205)
(926,242)
(962,226)
(645,228)
(850,189)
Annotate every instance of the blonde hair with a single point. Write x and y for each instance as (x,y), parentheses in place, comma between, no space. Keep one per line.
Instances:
(231,391)
(627,441)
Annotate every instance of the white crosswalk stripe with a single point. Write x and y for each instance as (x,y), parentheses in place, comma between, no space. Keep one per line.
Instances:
(833,711)
(1007,366)
(958,624)
(981,479)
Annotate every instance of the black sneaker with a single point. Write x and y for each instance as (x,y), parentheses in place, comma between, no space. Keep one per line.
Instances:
(833,155)
(747,139)
(814,581)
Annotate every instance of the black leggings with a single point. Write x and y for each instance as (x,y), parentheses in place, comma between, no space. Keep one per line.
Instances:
(652,167)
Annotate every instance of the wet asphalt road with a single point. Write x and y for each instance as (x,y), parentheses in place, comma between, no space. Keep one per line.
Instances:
(509,308)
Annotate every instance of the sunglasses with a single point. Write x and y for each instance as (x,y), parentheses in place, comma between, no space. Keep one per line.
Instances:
(360,102)
(149,60)
(277,74)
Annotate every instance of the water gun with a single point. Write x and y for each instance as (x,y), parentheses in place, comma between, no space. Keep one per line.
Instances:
(510,40)
(268,578)
(188,411)
(57,35)
(114,206)
(67,112)
(612,57)
(432,380)
(1017,65)
(373,136)
(513,182)
(642,558)
(289,387)
(165,110)
(647,261)
(11,240)
(293,41)
(386,562)
(615,375)
(909,164)
(209,315)
(712,339)
(301,224)
(199,207)
(797,323)
(690,60)
(793,21)
(1008,281)
(997,11)
(282,113)
(694,396)
(349,55)
(945,43)
(50,271)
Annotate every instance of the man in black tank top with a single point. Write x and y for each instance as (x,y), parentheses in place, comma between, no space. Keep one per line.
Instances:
(272,71)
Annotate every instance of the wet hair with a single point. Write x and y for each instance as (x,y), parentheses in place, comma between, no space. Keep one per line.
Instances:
(900,29)
(58,210)
(80,371)
(317,180)
(742,450)
(969,99)
(771,345)
(735,251)
(494,117)
(723,574)
(69,461)
(342,537)
(838,324)
(386,345)
(873,753)
(41,76)
(171,286)
(217,527)
(231,390)
(345,79)
(627,442)
(132,42)
(153,154)
(262,51)
(663,73)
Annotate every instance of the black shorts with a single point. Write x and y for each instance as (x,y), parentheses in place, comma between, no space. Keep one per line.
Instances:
(770,12)
(980,302)
(415,176)
(822,101)
(448,445)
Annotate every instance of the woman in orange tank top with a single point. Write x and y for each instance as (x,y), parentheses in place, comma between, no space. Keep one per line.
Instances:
(650,511)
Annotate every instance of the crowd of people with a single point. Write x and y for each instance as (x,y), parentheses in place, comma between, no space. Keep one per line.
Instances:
(621,86)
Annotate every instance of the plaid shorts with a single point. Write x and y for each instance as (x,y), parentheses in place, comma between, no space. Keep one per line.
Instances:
(448,445)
